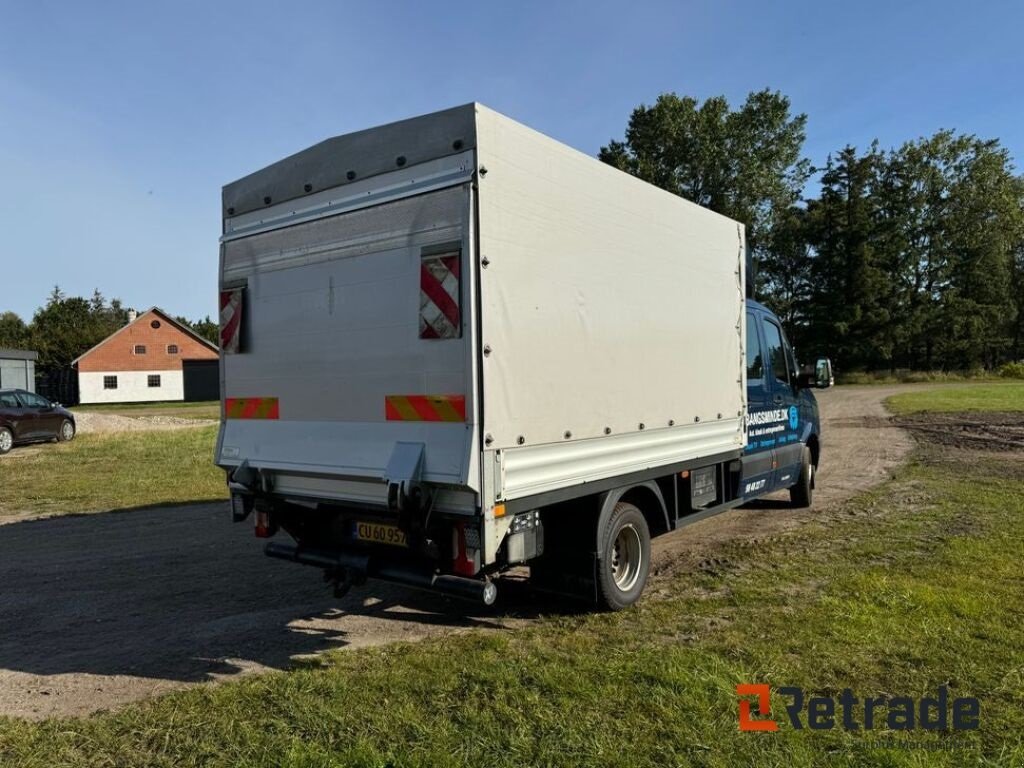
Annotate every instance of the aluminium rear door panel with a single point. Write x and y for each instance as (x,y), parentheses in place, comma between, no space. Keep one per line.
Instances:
(335,365)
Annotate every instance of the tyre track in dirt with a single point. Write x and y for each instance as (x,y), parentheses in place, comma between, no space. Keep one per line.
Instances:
(102,610)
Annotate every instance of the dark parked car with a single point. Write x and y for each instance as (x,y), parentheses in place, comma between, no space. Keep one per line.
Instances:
(26,417)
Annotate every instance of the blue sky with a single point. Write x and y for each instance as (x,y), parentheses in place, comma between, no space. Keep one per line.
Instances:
(119,122)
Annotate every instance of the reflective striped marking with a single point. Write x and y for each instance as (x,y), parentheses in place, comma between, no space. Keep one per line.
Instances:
(230,320)
(252,408)
(425,407)
(440,317)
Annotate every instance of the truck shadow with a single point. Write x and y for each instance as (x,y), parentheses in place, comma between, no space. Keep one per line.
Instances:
(775,501)
(180,594)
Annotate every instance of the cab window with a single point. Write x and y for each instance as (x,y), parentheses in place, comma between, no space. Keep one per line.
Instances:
(8,400)
(775,351)
(755,362)
(791,363)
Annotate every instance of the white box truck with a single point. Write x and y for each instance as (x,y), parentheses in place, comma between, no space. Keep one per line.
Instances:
(451,345)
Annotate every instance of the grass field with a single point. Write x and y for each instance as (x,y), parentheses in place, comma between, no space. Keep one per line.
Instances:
(911,586)
(111,471)
(961,398)
(205,410)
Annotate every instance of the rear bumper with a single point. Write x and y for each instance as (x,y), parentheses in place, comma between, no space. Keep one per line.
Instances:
(378,566)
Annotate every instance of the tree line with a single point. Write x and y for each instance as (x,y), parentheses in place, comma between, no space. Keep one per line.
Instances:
(908,257)
(66,326)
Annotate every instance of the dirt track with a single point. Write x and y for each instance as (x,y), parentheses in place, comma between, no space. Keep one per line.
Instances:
(97,421)
(102,610)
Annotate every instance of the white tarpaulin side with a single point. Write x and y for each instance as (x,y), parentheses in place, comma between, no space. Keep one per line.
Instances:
(606,304)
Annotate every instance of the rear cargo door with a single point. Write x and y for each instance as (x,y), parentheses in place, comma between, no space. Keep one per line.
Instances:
(348,334)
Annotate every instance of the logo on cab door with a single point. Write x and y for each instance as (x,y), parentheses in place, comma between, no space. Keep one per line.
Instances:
(794,417)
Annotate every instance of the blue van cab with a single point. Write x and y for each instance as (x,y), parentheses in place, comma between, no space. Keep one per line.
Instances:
(783,425)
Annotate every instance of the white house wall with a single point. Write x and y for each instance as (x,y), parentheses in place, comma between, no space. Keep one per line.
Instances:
(132,387)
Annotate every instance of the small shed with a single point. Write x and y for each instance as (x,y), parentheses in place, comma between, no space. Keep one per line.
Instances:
(18,369)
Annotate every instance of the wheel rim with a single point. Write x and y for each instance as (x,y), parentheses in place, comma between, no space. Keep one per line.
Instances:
(67,431)
(6,441)
(627,557)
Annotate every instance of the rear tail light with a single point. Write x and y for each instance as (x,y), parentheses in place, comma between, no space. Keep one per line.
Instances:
(264,528)
(465,549)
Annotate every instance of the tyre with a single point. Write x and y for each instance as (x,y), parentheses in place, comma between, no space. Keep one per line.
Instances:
(623,558)
(6,440)
(67,432)
(801,493)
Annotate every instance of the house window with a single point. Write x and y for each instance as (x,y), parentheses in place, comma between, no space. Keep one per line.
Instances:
(140,349)
(153,380)
(155,324)
(172,349)
(110,382)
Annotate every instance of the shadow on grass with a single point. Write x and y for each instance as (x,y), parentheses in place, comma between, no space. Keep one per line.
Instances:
(180,593)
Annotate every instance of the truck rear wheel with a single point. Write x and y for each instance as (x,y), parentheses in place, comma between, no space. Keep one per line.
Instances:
(623,558)
(800,494)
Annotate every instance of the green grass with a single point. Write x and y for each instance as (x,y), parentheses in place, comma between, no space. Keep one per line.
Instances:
(906,376)
(905,588)
(969,397)
(910,586)
(204,410)
(111,471)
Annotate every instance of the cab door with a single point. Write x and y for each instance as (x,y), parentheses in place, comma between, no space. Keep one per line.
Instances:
(758,461)
(782,395)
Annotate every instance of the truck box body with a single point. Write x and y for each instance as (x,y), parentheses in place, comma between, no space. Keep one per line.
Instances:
(523,317)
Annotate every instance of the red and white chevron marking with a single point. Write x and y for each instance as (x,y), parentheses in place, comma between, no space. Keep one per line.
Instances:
(440,317)
(230,320)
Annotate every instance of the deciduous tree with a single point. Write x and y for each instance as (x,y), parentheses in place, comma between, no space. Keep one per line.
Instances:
(743,163)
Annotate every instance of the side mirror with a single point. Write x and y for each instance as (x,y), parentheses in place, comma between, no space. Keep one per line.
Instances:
(823,375)
(817,376)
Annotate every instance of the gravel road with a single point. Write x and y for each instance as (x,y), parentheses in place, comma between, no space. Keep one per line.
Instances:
(97,421)
(102,610)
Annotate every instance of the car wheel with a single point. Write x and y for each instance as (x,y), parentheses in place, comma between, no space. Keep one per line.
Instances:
(800,495)
(623,558)
(67,431)
(6,440)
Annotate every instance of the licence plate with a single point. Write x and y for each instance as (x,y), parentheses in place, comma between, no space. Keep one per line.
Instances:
(380,533)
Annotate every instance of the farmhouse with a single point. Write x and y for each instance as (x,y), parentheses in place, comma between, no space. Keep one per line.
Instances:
(153,358)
